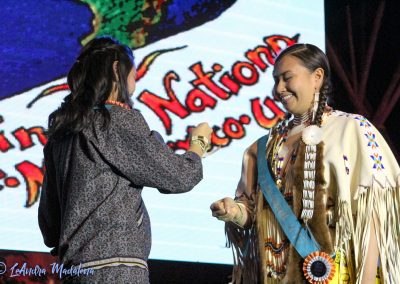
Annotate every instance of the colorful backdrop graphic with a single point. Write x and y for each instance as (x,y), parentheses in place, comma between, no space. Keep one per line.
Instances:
(197,61)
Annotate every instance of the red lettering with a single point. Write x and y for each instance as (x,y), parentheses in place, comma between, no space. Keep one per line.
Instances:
(24,136)
(259,115)
(11,182)
(268,102)
(5,144)
(217,67)
(198,101)
(2,175)
(233,128)
(206,80)
(39,131)
(33,176)
(228,82)
(160,105)
(273,42)
(217,140)
(255,57)
(181,144)
(237,72)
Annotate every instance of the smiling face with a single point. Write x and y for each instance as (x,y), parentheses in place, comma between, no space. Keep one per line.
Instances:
(295,85)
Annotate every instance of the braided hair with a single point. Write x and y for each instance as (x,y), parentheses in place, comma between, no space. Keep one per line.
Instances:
(312,58)
(91,80)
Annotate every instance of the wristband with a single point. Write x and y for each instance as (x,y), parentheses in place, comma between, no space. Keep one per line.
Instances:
(203,139)
(199,143)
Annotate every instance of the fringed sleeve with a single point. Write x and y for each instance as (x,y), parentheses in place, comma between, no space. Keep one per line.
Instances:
(368,179)
(244,241)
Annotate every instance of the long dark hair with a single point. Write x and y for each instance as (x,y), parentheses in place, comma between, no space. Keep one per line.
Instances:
(312,58)
(91,81)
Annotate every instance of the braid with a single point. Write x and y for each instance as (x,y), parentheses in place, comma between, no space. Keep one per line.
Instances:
(323,97)
(320,109)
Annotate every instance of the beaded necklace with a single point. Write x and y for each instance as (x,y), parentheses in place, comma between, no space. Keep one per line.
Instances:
(123,105)
(298,123)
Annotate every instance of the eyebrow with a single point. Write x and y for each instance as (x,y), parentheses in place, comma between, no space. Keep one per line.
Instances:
(282,74)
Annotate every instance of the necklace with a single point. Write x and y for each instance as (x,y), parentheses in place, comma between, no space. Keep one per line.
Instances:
(277,160)
(304,118)
(123,105)
(285,130)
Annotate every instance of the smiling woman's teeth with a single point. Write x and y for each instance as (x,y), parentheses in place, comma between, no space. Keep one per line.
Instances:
(287,97)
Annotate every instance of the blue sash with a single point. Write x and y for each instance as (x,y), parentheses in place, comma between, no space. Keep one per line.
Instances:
(299,236)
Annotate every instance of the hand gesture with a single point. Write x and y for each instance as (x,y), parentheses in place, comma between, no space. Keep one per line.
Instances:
(225,209)
(203,129)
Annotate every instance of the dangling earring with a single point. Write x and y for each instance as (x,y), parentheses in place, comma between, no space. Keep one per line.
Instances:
(315,106)
(311,136)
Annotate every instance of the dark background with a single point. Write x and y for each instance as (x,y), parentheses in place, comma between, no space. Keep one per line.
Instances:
(385,60)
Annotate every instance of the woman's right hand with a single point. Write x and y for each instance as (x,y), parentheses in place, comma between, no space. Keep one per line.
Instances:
(203,129)
(200,139)
(225,209)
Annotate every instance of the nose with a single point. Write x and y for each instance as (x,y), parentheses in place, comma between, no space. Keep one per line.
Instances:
(280,86)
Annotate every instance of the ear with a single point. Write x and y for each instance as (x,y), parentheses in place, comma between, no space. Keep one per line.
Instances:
(115,69)
(319,77)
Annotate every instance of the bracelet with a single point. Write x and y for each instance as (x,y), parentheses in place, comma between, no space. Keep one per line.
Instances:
(202,139)
(200,143)
(196,137)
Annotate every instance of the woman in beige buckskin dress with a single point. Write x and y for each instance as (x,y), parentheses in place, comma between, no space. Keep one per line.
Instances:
(355,201)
